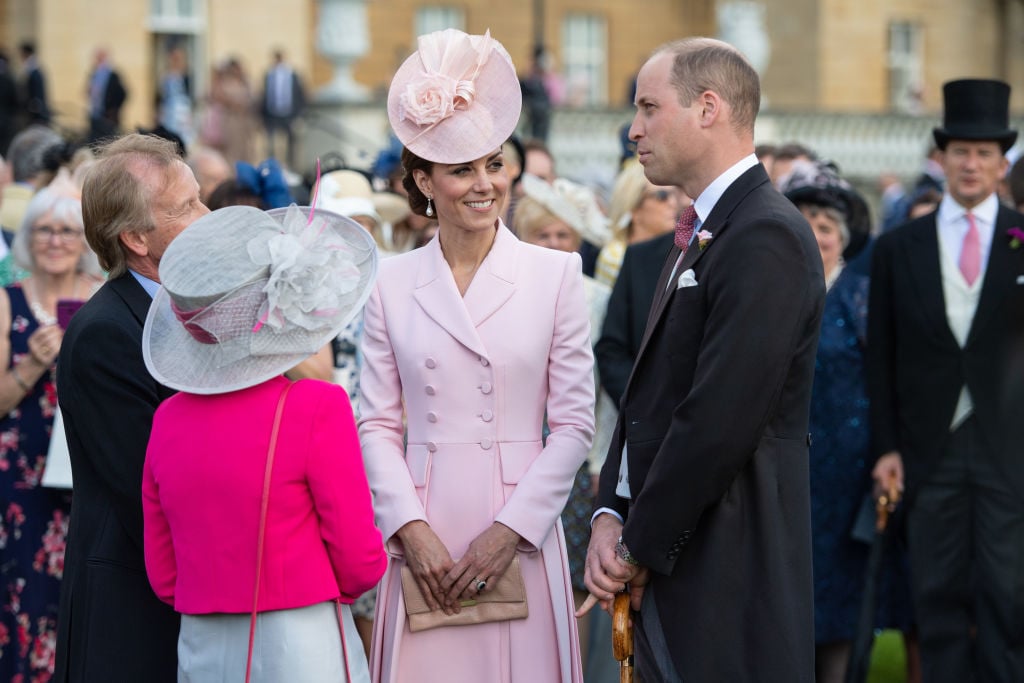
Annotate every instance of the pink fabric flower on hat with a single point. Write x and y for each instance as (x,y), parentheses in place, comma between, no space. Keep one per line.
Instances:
(451,62)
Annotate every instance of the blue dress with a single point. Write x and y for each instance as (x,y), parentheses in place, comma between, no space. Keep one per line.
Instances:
(841,473)
(33,521)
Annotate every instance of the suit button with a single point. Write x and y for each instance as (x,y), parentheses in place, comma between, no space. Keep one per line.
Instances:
(487,416)
(483,361)
(809,441)
(486,387)
(486,444)
(431,446)
(431,363)
(431,416)
(430,390)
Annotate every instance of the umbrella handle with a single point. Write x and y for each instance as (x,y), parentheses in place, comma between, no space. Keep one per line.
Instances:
(885,505)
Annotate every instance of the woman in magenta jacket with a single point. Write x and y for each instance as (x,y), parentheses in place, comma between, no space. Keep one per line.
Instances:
(227,322)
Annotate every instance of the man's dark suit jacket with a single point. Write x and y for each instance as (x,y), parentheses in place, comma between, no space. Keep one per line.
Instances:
(111,626)
(35,102)
(628,308)
(916,368)
(715,416)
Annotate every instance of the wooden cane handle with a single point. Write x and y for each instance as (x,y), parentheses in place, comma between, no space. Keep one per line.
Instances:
(622,630)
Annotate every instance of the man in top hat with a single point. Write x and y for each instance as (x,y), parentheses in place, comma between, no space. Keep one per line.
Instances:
(946,310)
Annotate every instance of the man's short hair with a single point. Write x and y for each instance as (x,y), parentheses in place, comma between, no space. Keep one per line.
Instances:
(114,197)
(25,155)
(702,64)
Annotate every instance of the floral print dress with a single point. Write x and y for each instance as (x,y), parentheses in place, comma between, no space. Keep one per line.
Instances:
(33,521)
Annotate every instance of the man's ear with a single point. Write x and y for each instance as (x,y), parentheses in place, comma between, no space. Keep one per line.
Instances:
(710,107)
(135,242)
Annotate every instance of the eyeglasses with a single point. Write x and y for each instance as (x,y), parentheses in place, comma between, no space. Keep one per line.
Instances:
(44,233)
(659,195)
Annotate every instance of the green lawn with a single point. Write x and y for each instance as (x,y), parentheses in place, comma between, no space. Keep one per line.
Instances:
(888,664)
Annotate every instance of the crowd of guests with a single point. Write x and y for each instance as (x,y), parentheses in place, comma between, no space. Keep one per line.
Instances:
(473,320)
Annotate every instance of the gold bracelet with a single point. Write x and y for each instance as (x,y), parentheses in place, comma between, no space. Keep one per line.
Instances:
(18,378)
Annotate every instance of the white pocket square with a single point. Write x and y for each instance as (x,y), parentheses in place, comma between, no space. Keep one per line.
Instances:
(687,279)
(1020,279)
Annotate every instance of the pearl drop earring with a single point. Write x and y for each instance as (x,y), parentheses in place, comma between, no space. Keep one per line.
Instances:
(430,208)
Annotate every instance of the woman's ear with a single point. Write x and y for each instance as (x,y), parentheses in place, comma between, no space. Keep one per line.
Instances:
(423,182)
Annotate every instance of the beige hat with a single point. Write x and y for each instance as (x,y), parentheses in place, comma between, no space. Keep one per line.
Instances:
(348,193)
(248,294)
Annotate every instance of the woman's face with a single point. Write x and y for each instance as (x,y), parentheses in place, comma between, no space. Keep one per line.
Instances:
(55,245)
(555,235)
(826,231)
(469,196)
(657,211)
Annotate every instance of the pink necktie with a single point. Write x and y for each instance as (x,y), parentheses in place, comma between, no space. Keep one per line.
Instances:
(684,228)
(970,253)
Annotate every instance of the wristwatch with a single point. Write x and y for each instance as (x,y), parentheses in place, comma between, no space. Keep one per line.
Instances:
(623,552)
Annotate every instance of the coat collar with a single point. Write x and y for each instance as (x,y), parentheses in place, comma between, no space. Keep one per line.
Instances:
(436,293)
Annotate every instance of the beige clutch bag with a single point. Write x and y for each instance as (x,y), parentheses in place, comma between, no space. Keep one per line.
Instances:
(504,600)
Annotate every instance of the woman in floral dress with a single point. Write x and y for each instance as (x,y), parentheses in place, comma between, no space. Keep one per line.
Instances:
(33,519)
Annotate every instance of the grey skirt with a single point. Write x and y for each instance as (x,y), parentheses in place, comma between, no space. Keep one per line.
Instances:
(302,644)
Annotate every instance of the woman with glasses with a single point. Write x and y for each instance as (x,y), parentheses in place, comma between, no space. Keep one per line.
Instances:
(34,520)
(637,211)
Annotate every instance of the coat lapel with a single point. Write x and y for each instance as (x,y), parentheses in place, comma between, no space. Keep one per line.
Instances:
(133,295)
(997,275)
(438,296)
(925,271)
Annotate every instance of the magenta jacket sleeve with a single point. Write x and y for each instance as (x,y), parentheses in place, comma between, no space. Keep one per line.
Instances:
(341,495)
(161,564)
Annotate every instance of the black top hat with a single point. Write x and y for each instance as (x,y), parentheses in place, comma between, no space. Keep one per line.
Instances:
(976,109)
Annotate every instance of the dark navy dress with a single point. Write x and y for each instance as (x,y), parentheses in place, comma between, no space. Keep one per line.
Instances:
(841,473)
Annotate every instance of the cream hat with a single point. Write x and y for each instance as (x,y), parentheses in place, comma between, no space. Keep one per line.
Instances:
(348,193)
(456,99)
(572,203)
(248,294)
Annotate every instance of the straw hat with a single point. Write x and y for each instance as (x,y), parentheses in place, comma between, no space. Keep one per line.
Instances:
(249,294)
(574,204)
(456,99)
(348,193)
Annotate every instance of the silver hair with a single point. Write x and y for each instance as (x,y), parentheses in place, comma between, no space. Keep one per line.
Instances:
(64,208)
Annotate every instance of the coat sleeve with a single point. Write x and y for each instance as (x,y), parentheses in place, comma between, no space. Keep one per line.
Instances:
(109,377)
(881,352)
(543,490)
(341,496)
(762,311)
(161,562)
(381,426)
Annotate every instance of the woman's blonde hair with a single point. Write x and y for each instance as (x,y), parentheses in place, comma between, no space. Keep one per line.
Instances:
(627,193)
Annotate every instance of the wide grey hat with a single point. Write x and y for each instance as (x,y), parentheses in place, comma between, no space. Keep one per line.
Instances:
(248,294)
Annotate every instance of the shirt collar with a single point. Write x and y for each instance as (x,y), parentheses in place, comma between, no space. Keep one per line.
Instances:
(713,192)
(950,211)
(151,286)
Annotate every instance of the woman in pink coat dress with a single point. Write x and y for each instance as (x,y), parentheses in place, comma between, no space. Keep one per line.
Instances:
(247,295)
(468,342)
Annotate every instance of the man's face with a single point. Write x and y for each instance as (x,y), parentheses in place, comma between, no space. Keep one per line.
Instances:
(973,170)
(538,163)
(175,206)
(665,132)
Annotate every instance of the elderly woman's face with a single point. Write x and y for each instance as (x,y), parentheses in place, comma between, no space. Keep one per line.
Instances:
(555,235)
(828,234)
(56,246)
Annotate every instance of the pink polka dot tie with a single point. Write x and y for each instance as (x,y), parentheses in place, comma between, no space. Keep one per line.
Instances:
(685,226)
(970,252)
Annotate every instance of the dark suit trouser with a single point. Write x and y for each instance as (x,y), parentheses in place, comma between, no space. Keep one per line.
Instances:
(280,123)
(966,542)
(650,649)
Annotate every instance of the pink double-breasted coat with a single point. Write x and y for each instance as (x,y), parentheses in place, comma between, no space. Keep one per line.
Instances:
(474,377)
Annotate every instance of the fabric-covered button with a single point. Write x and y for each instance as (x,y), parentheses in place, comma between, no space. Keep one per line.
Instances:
(487,416)
(431,363)
(483,361)
(431,446)
(431,416)
(485,443)
(486,387)
(430,390)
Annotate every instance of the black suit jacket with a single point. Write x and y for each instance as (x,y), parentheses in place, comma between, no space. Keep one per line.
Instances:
(111,625)
(35,102)
(916,368)
(715,417)
(628,308)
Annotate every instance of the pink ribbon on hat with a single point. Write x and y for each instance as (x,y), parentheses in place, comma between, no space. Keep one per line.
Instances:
(451,61)
(200,334)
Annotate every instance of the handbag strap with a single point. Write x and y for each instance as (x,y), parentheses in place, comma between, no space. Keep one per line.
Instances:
(259,545)
(263,523)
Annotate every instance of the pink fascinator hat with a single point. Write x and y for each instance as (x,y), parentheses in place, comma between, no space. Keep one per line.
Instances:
(456,99)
